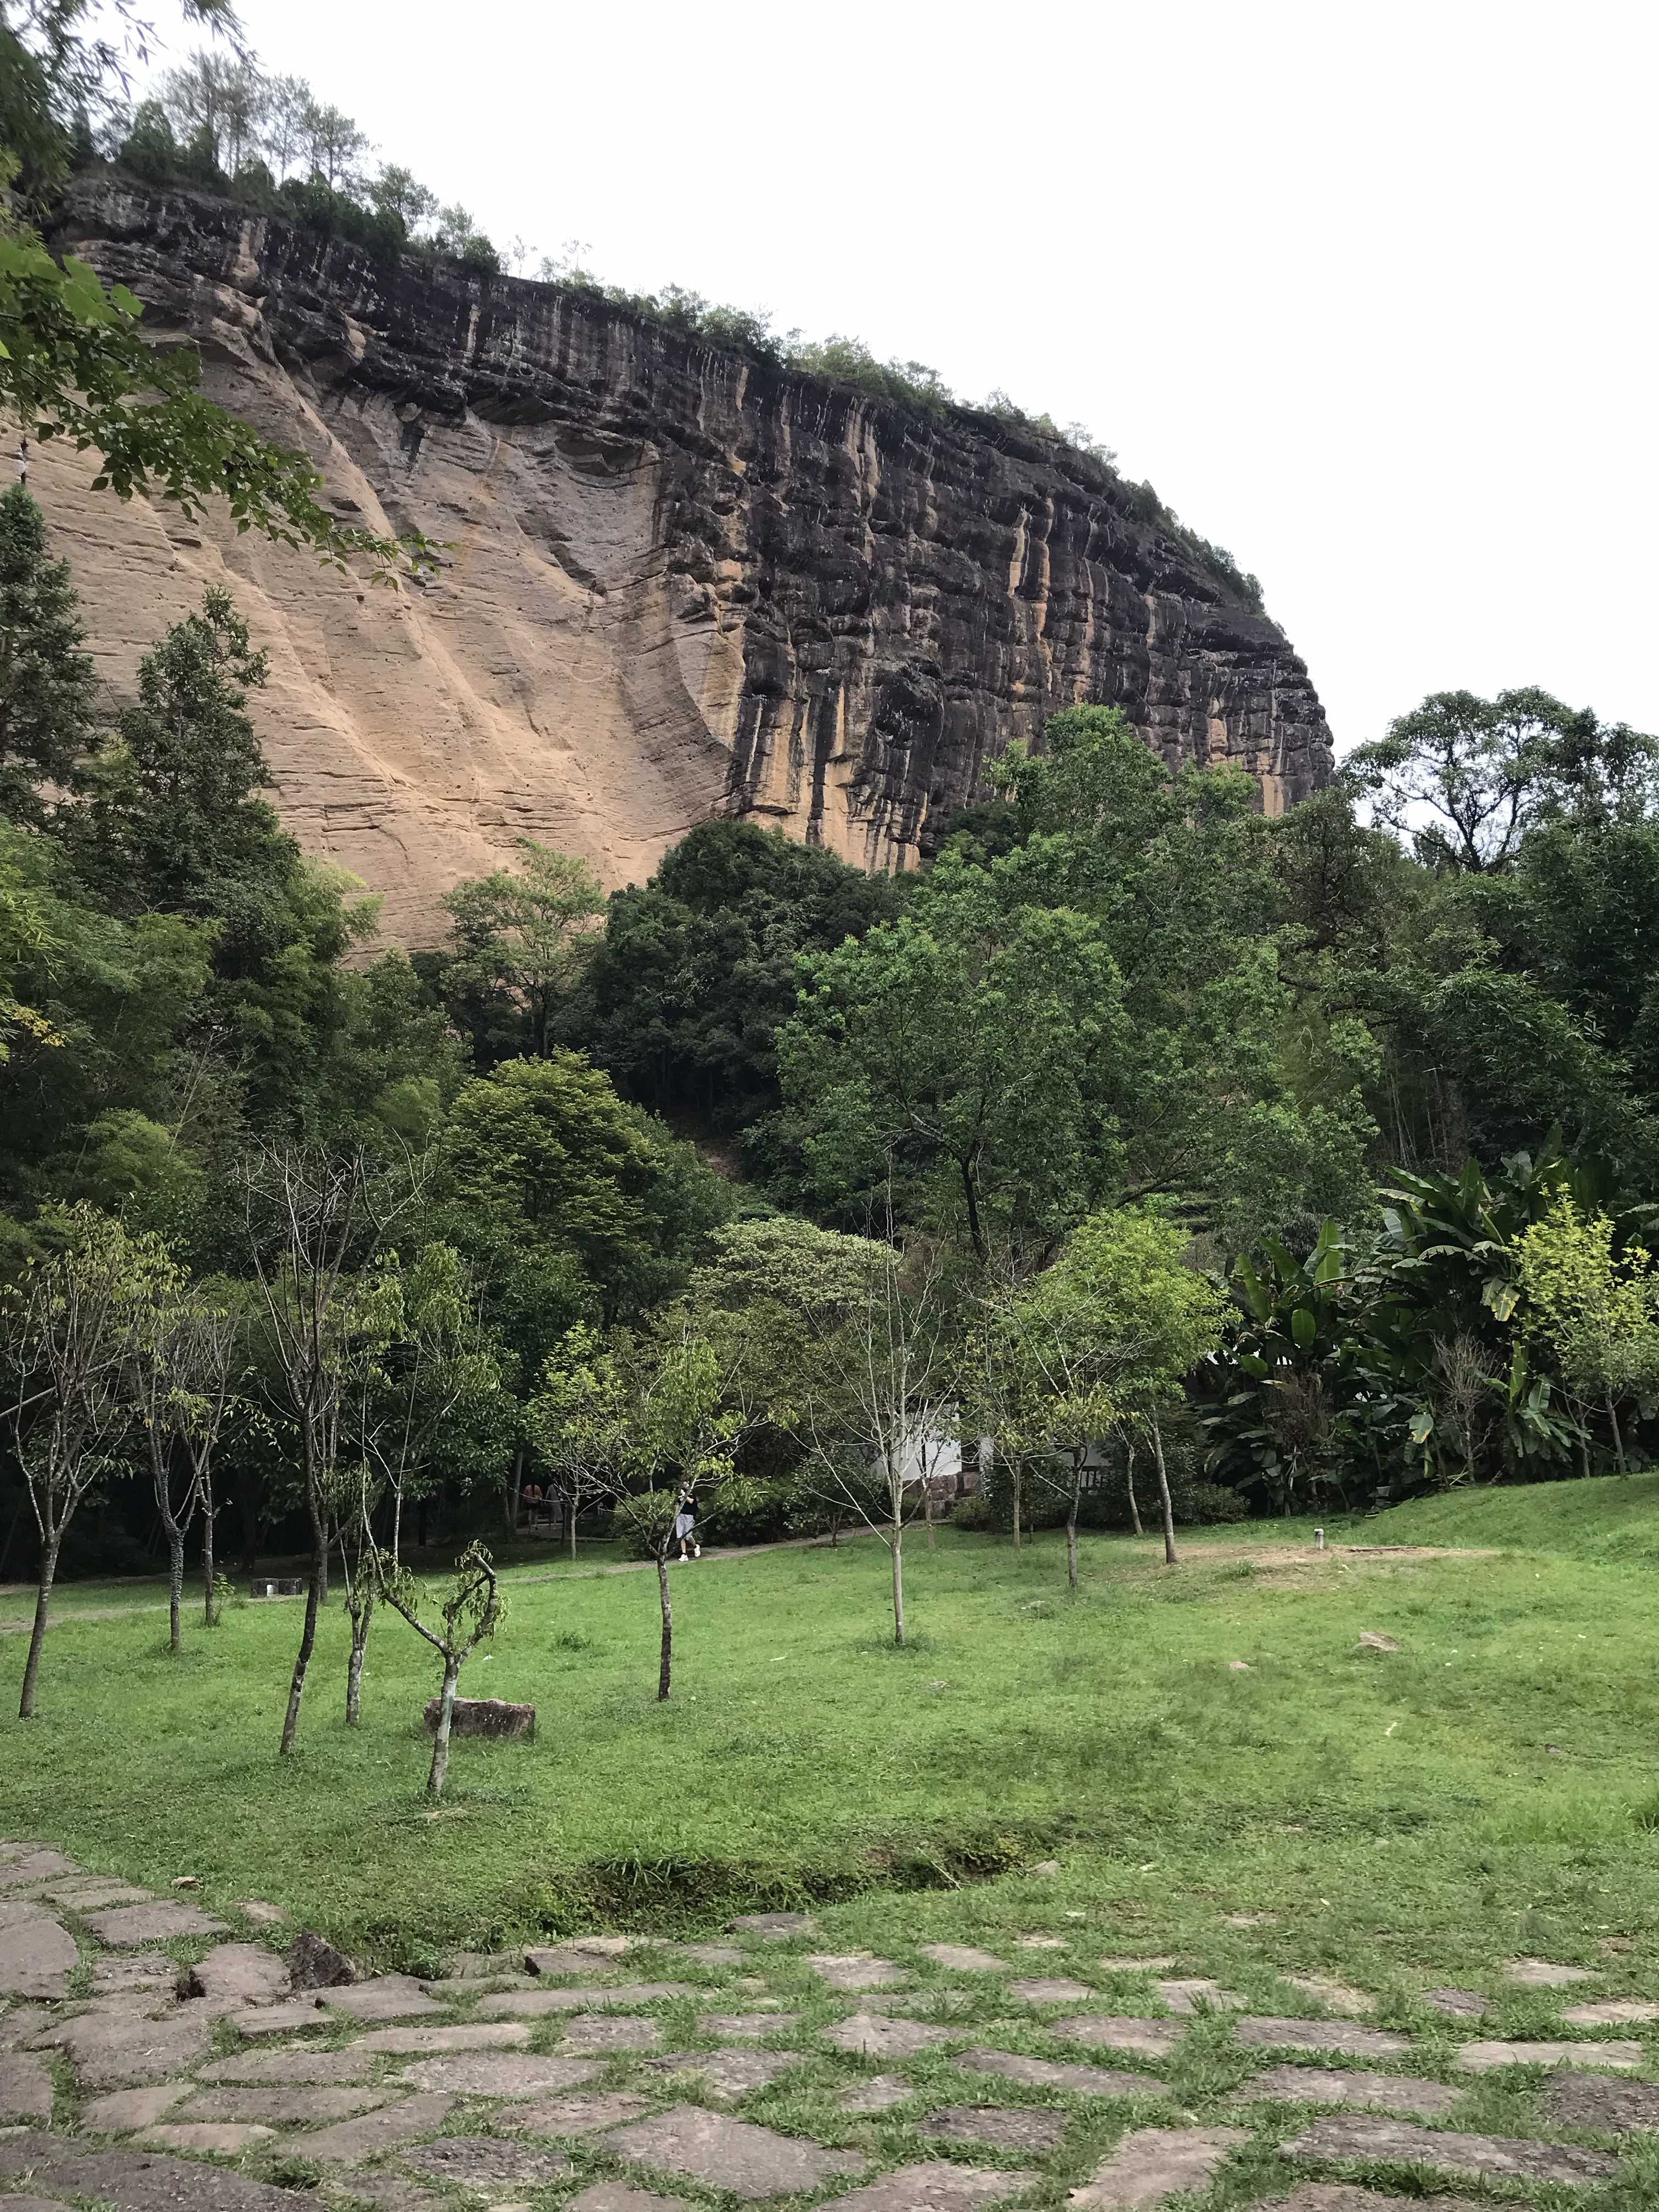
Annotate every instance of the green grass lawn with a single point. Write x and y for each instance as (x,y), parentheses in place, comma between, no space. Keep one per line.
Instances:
(1490,1787)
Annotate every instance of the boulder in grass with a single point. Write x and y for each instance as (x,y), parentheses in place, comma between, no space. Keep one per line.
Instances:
(490,1717)
(314,1964)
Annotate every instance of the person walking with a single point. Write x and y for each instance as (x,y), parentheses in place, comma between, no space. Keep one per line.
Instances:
(685,1523)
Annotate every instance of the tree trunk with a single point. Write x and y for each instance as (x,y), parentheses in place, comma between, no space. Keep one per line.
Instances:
(208,1510)
(435,1780)
(1169,1559)
(362,1619)
(175,1585)
(928,1493)
(665,1665)
(397,1520)
(1618,1435)
(570,1523)
(38,1633)
(1018,1486)
(1129,1476)
(316,1591)
(514,1489)
(898,1583)
(1071,1543)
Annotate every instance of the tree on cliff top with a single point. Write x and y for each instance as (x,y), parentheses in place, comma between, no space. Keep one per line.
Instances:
(74,363)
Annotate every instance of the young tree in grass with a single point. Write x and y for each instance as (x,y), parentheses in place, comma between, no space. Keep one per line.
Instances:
(1100,1342)
(877,1402)
(472,1614)
(674,1441)
(313,1220)
(418,1356)
(183,1346)
(575,1420)
(68,1329)
(1596,1309)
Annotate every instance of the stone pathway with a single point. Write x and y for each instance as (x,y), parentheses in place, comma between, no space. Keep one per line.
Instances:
(155,2053)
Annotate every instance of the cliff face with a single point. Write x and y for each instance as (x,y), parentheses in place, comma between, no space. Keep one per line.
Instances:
(677,582)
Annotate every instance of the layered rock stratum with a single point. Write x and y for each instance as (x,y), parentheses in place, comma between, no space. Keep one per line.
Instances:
(676,581)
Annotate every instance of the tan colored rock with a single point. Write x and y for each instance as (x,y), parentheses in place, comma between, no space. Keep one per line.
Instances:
(626,632)
(1152,2163)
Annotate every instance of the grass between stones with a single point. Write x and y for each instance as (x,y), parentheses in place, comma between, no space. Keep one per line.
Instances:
(1397,1820)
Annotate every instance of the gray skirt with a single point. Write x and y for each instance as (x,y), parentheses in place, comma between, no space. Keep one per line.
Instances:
(684,1525)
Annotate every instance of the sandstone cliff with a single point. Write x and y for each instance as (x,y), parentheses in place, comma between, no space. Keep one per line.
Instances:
(677,582)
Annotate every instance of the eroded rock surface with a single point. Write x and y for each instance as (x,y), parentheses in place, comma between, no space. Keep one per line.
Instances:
(676,581)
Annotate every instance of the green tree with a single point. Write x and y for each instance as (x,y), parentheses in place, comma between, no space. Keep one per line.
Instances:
(1596,1309)
(522,938)
(575,1420)
(69,1330)
(46,686)
(473,1611)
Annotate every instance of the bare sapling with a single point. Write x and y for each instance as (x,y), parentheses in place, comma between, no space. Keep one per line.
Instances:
(877,1411)
(183,1349)
(1165,1505)
(68,1337)
(470,1615)
(314,1218)
(1129,1482)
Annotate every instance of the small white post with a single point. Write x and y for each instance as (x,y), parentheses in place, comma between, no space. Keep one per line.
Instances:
(1319,1539)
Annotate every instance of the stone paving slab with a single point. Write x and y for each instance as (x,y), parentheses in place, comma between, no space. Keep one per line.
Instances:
(286,2104)
(608,2032)
(33,1868)
(448,1991)
(1152,2039)
(128,1925)
(617,2196)
(965,1959)
(36,2204)
(139,1970)
(1376,2092)
(1050,2073)
(534,2005)
(1041,1943)
(870,2035)
(856,1973)
(1456,2003)
(473,2035)
(291,2067)
(278,2019)
(1335,1997)
(37,1953)
(1152,2163)
(935,2185)
(735,2155)
(499,2073)
(1158,1965)
(1053,1991)
(745,2026)
(472,2160)
(936,2002)
(114,2049)
(221,2139)
(728,2075)
(389,1996)
(581,2113)
(94,1896)
(1613,2012)
(135,2181)
(235,1975)
(353,2143)
(1612,2108)
(1361,2137)
(772,1927)
(1341,2036)
(1343,2197)
(25,2088)
(1595,2058)
(385,2188)
(553,1962)
(706,1954)
(262,1915)
(1543,1974)
(125,2111)
(1027,2128)
(1187,1997)
(878,2094)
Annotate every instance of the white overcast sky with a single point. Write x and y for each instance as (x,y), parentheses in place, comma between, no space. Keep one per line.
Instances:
(1366,290)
